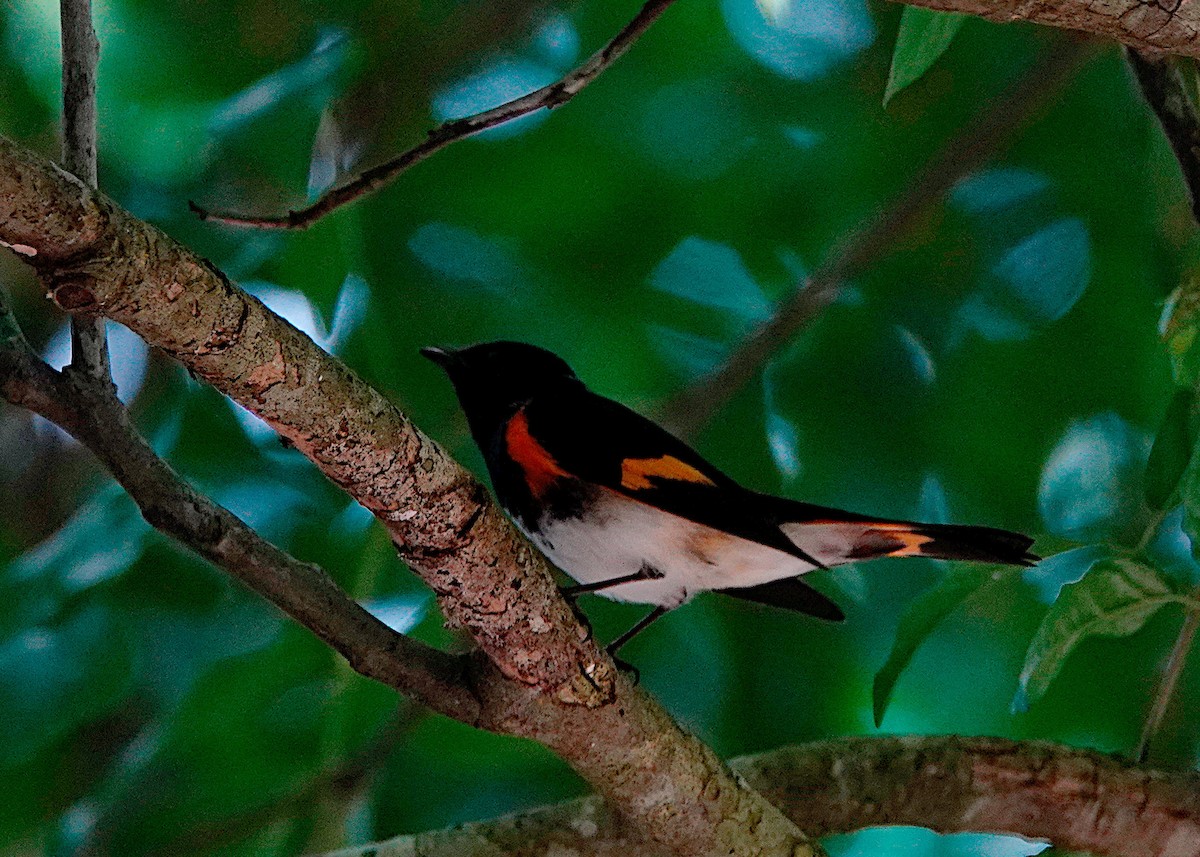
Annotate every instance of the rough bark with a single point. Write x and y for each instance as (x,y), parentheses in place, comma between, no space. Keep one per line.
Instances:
(538,675)
(1158,26)
(1076,799)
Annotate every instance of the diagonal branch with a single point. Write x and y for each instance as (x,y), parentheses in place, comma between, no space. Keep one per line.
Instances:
(983,137)
(303,591)
(548,97)
(80,58)
(537,674)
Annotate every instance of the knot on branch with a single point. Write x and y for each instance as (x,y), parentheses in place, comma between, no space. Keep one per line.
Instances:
(72,292)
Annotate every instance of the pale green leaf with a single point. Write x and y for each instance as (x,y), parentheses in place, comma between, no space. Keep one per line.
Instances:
(922,616)
(924,36)
(1114,599)
(1178,327)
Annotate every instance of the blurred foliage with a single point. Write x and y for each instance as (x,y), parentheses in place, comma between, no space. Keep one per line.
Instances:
(1002,365)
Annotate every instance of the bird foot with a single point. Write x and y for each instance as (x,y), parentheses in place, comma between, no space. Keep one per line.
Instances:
(635,674)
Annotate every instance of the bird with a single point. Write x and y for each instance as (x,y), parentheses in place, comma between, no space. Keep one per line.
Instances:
(634,514)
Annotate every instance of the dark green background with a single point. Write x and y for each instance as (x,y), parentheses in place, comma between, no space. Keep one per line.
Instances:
(149,705)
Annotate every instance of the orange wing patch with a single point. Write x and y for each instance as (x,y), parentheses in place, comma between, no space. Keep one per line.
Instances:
(636,473)
(539,465)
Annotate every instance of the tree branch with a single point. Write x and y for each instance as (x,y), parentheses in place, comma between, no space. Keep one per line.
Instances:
(80,58)
(548,97)
(539,675)
(303,591)
(981,139)
(1159,26)
(1076,799)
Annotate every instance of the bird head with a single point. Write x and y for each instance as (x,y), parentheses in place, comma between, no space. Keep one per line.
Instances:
(494,379)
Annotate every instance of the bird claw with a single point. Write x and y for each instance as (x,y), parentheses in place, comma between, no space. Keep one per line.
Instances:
(580,616)
(624,666)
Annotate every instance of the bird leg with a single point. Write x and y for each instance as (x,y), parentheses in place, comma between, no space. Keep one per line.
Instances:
(644,623)
(646,572)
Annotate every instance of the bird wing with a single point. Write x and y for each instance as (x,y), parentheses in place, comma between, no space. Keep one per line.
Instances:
(605,443)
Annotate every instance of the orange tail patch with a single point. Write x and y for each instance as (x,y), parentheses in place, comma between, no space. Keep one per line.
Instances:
(888,540)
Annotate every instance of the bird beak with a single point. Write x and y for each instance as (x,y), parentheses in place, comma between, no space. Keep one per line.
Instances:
(444,357)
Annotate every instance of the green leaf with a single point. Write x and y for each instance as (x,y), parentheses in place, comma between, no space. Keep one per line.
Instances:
(1179,328)
(1189,494)
(922,616)
(1172,450)
(1114,599)
(924,36)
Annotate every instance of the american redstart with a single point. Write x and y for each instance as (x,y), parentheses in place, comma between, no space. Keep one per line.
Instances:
(635,514)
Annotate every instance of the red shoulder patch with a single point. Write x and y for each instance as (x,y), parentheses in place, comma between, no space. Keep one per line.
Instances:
(538,464)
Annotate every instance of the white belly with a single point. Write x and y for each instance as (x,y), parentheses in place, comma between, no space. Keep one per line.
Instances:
(621,535)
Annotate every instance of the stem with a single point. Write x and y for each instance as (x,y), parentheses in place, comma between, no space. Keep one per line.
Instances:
(975,145)
(80,58)
(1170,679)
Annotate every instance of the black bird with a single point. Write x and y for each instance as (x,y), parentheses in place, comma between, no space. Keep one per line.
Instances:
(635,514)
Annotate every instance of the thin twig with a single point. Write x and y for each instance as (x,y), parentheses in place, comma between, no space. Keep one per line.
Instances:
(80,59)
(1168,682)
(338,781)
(305,592)
(548,97)
(979,141)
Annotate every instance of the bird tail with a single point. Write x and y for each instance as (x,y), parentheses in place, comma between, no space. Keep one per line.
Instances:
(834,537)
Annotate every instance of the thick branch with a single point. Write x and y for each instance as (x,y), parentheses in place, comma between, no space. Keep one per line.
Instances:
(1160,26)
(548,97)
(981,139)
(80,58)
(539,675)
(1075,799)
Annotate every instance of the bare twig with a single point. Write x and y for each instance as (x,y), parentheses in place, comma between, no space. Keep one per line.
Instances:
(980,140)
(338,782)
(1168,682)
(548,97)
(80,58)
(303,591)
